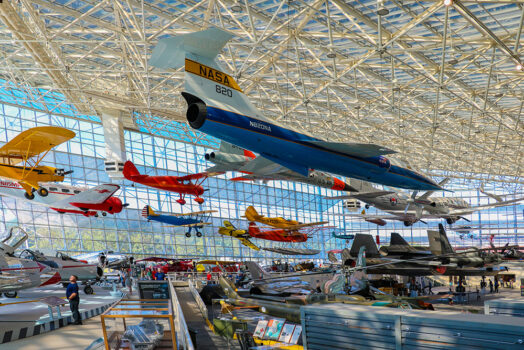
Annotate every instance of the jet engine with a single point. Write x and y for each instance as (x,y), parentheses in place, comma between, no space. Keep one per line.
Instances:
(225,158)
(196,113)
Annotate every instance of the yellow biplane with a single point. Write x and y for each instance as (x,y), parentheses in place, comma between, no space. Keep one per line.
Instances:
(20,158)
(278,222)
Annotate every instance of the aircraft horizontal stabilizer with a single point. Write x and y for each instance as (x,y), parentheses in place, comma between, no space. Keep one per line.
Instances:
(363,150)
(171,52)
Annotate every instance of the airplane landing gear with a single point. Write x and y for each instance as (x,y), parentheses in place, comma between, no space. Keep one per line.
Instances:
(104,213)
(366,206)
(408,223)
(181,201)
(10,294)
(43,192)
(188,234)
(199,200)
(88,289)
(29,196)
(199,234)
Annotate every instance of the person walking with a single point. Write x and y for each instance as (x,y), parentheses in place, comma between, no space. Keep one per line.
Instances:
(74,299)
(490,286)
(496,285)
(430,285)
(129,282)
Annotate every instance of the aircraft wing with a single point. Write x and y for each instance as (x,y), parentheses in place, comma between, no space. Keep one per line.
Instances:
(247,243)
(34,141)
(363,194)
(296,227)
(196,213)
(263,166)
(363,150)
(95,195)
(485,207)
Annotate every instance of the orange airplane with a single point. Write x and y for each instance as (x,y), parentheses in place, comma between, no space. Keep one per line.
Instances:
(253,216)
(279,235)
(178,184)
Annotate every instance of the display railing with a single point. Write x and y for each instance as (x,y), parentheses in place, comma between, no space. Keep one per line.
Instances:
(198,299)
(182,332)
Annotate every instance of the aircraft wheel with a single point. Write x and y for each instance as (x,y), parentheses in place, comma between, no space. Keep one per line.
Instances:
(96,215)
(199,234)
(43,192)
(188,234)
(29,196)
(366,206)
(408,223)
(104,213)
(11,294)
(88,289)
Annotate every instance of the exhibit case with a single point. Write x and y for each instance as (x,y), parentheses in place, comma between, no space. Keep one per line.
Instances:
(139,324)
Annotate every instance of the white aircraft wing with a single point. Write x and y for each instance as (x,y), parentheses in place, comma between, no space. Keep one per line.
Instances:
(363,194)
(95,195)
(467,211)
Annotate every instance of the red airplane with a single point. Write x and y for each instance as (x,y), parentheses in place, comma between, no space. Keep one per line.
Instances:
(279,235)
(178,184)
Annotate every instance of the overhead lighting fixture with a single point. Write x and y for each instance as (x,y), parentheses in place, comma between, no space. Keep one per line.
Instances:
(236,8)
(519,67)
(381,9)
(448,2)
(453,61)
(331,55)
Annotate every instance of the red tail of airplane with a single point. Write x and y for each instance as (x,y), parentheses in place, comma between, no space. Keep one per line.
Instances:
(130,172)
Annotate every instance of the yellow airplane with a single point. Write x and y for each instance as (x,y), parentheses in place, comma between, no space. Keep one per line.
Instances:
(242,235)
(20,158)
(252,215)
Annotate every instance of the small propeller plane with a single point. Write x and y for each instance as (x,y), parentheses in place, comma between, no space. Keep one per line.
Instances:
(253,216)
(178,184)
(195,222)
(70,199)
(20,158)
(229,230)
(278,235)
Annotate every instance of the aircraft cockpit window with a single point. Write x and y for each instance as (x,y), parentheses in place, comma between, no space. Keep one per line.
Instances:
(65,190)
(77,191)
(50,263)
(25,254)
(53,189)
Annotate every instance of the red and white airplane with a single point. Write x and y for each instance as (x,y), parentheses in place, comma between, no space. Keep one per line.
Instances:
(70,199)
(178,184)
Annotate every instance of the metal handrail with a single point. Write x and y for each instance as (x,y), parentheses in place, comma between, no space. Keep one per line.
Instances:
(183,338)
(198,299)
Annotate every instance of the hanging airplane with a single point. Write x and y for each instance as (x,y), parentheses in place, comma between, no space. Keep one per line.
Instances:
(232,158)
(229,230)
(17,274)
(398,204)
(277,235)
(178,184)
(194,222)
(20,158)
(218,107)
(70,199)
(253,216)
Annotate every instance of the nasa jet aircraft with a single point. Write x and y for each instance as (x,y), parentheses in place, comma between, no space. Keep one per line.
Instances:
(398,204)
(232,158)
(218,107)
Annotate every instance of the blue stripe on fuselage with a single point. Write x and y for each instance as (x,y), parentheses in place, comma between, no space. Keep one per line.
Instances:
(278,142)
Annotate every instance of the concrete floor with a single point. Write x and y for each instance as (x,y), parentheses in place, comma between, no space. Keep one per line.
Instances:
(27,314)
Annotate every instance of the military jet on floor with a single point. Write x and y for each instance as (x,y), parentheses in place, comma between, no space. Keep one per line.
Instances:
(16,273)
(218,107)
(398,204)
(193,222)
(232,158)
(70,199)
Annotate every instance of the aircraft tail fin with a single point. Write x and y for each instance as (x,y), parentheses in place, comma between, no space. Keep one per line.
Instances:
(256,271)
(491,195)
(362,186)
(130,171)
(228,288)
(438,241)
(363,240)
(252,214)
(147,212)
(397,239)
